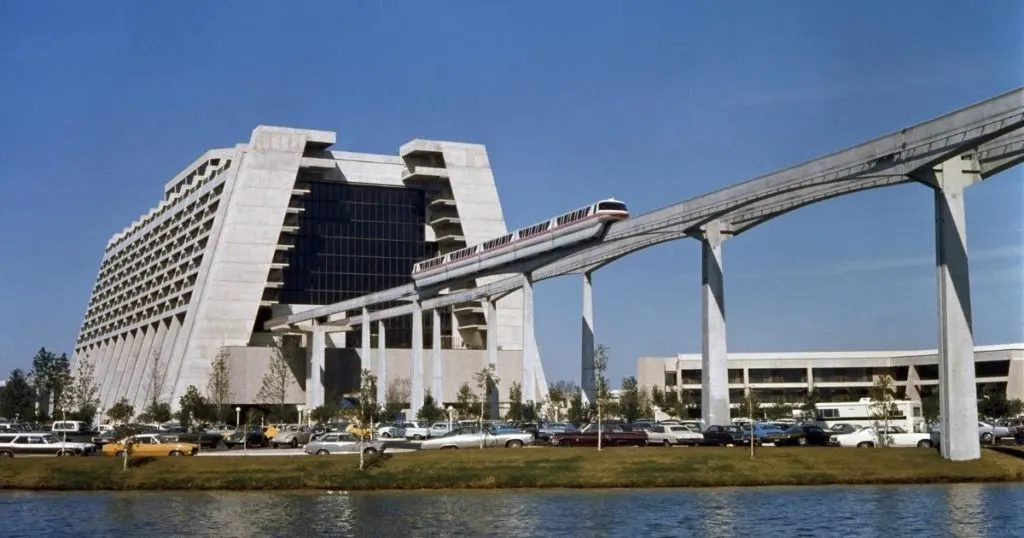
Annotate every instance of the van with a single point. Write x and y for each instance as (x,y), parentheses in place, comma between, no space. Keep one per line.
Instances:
(72,427)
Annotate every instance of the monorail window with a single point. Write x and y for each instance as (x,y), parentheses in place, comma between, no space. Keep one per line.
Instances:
(611,206)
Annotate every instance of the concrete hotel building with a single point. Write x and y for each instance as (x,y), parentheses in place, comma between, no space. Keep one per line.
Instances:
(279,225)
(836,376)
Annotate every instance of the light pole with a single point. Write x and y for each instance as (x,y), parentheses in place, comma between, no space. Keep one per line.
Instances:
(451,410)
(238,417)
(300,407)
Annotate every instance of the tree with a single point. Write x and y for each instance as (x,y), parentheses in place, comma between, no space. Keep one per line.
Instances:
(465,401)
(629,400)
(324,413)
(396,397)
(156,409)
(751,405)
(218,384)
(487,384)
(1014,407)
(430,412)
(930,407)
(17,399)
(531,410)
(603,391)
(515,401)
(809,407)
(560,392)
(883,405)
(274,383)
(121,412)
(82,395)
(577,413)
(369,408)
(193,407)
(780,408)
(51,375)
(658,397)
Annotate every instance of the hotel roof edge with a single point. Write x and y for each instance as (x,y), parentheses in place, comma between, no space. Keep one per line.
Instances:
(810,355)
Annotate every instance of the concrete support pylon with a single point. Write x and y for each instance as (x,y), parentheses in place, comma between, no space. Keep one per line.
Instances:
(416,374)
(437,390)
(588,380)
(316,351)
(958,405)
(529,347)
(492,347)
(366,362)
(714,395)
(382,365)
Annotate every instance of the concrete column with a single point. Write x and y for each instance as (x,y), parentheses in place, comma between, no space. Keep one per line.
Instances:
(316,349)
(416,391)
(365,362)
(1015,380)
(810,378)
(382,364)
(492,347)
(957,389)
(714,368)
(529,355)
(435,351)
(588,381)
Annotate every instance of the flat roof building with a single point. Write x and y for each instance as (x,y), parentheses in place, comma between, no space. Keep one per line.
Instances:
(279,225)
(835,376)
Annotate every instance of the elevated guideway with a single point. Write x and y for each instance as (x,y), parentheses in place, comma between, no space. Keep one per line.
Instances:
(946,154)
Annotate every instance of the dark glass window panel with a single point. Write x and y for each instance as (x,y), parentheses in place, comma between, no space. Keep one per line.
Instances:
(354,240)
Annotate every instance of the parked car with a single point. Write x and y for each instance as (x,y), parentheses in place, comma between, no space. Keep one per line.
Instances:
(342,443)
(292,435)
(416,430)
(545,432)
(611,435)
(872,436)
(673,434)
(20,443)
(726,435)
(471,437)
(205,439)
(254,438)
(803,435)
(151,444)
(767,432)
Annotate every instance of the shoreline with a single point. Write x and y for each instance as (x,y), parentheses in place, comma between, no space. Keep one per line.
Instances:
(511,469)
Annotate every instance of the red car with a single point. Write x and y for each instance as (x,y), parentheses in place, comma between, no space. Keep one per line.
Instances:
(611,435)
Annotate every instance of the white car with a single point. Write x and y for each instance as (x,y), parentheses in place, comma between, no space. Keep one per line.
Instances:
(673,434)
(471,436)
(871,436)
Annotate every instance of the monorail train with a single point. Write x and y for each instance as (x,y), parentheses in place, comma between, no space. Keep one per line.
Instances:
(564,230)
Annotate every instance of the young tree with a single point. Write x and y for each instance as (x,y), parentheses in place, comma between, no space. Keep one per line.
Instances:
(274,383)
(603,391)
(465,401)
(487,384)
(218,384)
(82,395)
(430,412)
(883,406)
(515,402)
(121,412)
(809,407)
(751,405)
(51,375)
(156,409)
(369,408)
(17,399)
(658,397)
(577,413)
(629,400)
(396,397)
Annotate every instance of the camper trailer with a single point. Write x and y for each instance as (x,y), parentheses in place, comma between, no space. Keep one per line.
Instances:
(863,412)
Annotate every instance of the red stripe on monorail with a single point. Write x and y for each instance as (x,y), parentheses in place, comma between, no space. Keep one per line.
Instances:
(520,241)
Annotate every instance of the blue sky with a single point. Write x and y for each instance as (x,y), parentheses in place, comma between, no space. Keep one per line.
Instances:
(576,101)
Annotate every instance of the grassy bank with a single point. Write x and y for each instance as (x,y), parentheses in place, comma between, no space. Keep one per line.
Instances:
(510,468)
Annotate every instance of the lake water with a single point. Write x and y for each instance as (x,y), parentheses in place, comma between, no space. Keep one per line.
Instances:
(966,510)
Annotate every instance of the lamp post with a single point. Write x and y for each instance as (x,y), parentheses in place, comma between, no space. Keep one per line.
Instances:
(300,407)
(451,410)
(238,417)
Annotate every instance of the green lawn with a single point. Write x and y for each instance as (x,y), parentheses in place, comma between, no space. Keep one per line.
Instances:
(516,468)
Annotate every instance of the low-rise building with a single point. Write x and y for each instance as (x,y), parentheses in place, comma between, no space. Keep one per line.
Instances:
(834,375)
